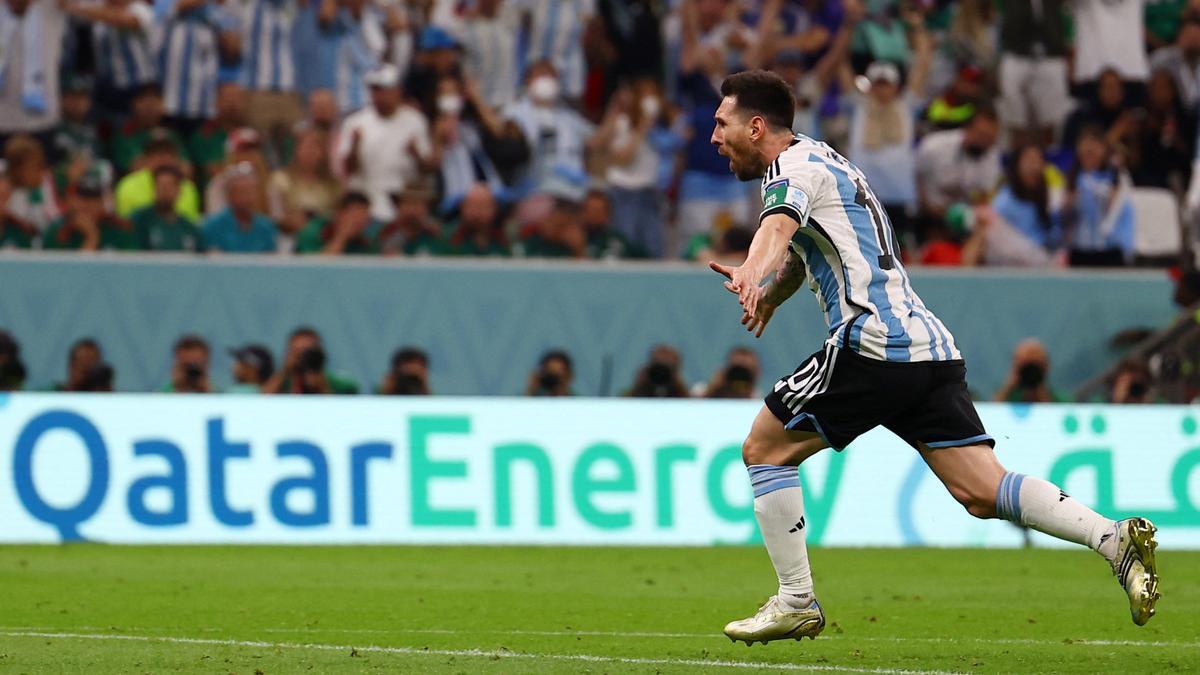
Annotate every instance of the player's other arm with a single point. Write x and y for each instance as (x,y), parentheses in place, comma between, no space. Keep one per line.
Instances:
(768,252)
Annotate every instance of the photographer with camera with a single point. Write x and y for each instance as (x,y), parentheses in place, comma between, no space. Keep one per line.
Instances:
(12,370)
(86,369)
(252,368)
(1028,381)
(304,369)
(553,376)
(660,378)
(189,372)
(736,378)
(409,374)
(1132,383)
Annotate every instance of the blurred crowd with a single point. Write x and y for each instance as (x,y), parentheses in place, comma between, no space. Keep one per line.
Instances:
(304,368)
(1024,132)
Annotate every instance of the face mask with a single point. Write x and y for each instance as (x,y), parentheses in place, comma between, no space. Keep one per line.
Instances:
(650,106)
(544,89)
(450,104)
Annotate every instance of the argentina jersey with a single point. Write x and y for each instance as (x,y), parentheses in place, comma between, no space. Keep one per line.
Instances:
(851,258)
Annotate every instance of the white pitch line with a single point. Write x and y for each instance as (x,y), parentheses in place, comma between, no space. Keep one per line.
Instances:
(480,653)
(1065,642)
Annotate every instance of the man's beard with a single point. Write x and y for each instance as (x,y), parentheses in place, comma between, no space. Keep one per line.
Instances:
(752,168)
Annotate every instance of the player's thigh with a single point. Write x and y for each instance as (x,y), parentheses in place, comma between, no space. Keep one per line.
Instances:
(770,443)
(971,473)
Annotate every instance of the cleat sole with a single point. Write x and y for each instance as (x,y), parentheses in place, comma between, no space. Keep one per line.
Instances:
(1141,534)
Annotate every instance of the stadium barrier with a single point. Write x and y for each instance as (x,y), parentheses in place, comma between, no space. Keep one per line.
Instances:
(486,322)
(328,470)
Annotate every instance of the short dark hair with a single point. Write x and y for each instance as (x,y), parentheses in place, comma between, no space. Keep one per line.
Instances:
(191,341)
(557,355)
(762,93)
(169,170)
(408,355)
(984,110)
(84,343)
(353,198)
(305,331)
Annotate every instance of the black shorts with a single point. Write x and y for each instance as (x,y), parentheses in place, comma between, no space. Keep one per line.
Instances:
(841,395)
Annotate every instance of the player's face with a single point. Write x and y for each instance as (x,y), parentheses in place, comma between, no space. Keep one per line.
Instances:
(733,138)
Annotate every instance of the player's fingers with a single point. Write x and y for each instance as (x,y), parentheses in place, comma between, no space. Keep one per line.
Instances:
(732,288)
(745,317)
(720,269)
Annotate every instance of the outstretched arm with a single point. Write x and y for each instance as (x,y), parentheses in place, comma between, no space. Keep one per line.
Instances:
(769,251)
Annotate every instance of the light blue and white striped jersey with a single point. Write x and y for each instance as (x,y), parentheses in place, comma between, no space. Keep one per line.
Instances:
(125,56)
(556,34)
(188,61)
(268,64)
(851,259)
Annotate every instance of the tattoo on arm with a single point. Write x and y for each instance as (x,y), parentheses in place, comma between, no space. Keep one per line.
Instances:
(787,281)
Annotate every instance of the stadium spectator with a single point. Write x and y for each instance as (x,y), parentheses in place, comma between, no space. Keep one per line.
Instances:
(412,230)
(268,72)
(304,369)
(190,60)
(85,365)
(137,189)
(1034,97)
(12,369)
(243,147)
(1101,234)
(1108,35)
(383,147)
(1108,107)
(209,145)
(557,31)
(560,234)
(33,50)
(557,135)
(240,227)
(305,189)
(322,113)
(252,368)
(439,56)
(883,136)
(489,38)
(125,58)
(350,230)
(87,224)
(973,38)
(710,197)
(602,241)
(32,204)
(141,127)
(189,367)
(14,232)
(75,144)
(729,247)
(1025,226)
(1163,19)
(553,376)
(1132,384)
(660,376)
(957,167)
(958,103)
(479,230)
(1161,153)
(408,375)
(736,378)
(1181,60)
(1029,378)
(343,57)
(160,227)
(632,38)
(634,113)
(461,123)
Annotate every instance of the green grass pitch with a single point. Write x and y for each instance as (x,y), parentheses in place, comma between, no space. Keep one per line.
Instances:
(112,609)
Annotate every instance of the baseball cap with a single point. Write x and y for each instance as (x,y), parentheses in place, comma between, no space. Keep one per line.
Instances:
(257,357)
(386,75)
(435,37)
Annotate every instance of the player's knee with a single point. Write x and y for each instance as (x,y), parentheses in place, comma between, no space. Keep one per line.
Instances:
(978,503)
(757,451)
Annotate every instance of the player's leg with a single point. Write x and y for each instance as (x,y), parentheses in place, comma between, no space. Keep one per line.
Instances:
(975,478)
(772,455)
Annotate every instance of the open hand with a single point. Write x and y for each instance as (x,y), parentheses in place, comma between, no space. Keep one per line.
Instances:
(755,311)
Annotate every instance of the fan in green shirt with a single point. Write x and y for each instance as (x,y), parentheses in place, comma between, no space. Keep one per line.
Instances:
(137,189)
(304,369)
(560,234)
(14,233)
(478,231)
(87,226)
(145,125)
(351,230)
(159,227)
(413,231)
(603,242)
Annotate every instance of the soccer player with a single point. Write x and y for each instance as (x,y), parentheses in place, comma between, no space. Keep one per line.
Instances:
(887,361)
